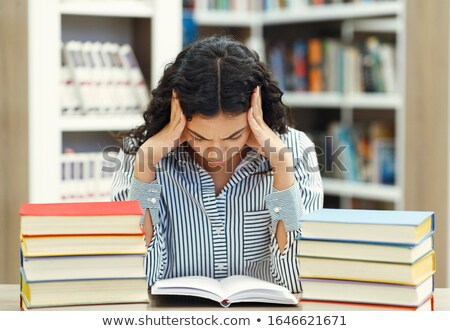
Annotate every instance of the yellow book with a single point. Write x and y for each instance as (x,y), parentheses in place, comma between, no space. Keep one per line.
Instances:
(35,246)
(369,271)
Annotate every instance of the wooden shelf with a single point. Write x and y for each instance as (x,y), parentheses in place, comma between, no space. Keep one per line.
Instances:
(100,122)
(127,8)
(372,191)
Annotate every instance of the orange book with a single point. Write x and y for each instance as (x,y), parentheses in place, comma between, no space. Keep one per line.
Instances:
(315,56)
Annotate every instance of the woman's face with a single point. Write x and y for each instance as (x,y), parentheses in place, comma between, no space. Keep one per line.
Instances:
(218,140)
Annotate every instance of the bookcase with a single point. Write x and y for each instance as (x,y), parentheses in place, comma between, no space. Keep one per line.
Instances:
(418,108)
(151,27)
(261,23)
(34,129)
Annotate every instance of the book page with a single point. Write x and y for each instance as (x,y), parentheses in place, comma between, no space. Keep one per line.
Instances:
(188,285)
(235,284)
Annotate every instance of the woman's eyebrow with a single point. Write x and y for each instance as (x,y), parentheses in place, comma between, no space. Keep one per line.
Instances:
(233,134)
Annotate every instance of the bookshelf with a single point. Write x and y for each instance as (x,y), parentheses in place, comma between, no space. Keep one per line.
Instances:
(382,17)
(141,23)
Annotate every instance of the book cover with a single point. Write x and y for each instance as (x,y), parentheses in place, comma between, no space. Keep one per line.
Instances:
(367,292)
(83,291)
(369,271)
(320,305)
(81,218)
(354,250)
(108,208)
(84,267)
(35,246)
(384,226)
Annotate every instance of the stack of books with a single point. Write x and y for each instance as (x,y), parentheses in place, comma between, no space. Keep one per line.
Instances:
(77,254)
(375,257)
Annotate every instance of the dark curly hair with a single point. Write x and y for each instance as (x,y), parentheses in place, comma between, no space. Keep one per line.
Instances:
(212,75)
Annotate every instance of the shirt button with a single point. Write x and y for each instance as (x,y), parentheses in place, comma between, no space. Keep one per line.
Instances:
(276,209)
(153,200)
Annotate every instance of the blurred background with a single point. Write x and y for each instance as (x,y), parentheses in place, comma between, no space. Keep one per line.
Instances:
(367,80)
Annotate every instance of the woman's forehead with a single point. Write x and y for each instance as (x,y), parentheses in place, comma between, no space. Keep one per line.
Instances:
(218,125)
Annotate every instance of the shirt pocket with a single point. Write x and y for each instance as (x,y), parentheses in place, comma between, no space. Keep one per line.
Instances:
(256,235)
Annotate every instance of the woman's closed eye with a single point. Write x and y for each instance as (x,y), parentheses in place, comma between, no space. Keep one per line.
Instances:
(201,139)
(197,139)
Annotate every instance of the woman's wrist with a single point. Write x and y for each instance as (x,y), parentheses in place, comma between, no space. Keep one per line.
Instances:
(144,165)
(283,171)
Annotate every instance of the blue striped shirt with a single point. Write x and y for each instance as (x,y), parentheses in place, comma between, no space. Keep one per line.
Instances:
(199,233)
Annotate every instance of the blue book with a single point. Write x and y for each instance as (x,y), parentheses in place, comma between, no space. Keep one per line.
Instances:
(376,226)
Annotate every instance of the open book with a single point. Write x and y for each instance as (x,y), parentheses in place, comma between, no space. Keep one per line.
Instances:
(226,291)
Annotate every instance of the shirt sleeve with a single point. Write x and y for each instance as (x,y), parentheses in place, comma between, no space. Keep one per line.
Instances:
(122,176)
(126,187)
(305,196)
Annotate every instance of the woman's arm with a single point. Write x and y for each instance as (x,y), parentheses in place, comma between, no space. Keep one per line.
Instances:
(126,187)
(287,206)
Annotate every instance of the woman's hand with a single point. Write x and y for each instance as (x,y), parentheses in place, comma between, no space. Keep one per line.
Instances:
(262,138)
(269,145)
(159,145)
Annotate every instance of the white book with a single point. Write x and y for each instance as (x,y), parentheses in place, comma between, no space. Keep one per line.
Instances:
(201,5)
(68,183)
(70,99)
(387,67)
(226,291)
(104,75)
(65,175)
(135,75)
(80,73)
(99,95)
(123,89)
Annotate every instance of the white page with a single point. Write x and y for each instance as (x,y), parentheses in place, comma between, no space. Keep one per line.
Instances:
(188,285)
(235,284)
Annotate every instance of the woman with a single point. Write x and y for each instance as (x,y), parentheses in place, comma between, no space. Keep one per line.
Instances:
(220,173)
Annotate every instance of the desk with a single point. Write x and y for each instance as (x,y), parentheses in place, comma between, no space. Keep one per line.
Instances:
(9,300)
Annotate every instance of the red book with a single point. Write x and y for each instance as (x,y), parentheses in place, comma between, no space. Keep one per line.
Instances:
(110,208)
(81,218)
(318,305)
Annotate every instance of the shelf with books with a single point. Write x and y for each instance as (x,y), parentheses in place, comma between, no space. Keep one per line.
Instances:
(358,49)
(100,122)
(127,8)
(371,191)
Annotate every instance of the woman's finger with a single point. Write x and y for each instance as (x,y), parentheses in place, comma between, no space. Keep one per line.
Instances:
(173,106)
(254,125)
